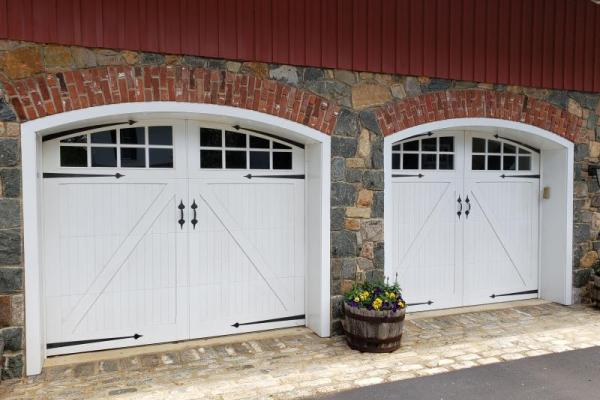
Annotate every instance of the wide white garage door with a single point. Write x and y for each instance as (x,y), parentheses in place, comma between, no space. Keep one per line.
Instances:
(162,231)
(465,212)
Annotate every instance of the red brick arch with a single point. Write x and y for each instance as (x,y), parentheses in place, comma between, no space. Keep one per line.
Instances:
(437,106)
(53,93)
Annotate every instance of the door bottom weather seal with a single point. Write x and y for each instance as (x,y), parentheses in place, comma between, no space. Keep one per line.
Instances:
(79,342)
(292,318)
(514,293)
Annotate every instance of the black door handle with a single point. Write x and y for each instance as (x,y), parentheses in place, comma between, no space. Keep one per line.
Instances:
(468,209)
(459,213)
(181,220)
(194,221)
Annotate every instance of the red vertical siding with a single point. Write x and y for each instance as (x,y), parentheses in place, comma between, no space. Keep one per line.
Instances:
(545,43)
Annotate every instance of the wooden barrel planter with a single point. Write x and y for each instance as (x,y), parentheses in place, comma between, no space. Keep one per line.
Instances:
(596,291)
(373,331)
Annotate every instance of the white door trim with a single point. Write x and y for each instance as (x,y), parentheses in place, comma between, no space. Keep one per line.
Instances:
(557,237)
(318,150)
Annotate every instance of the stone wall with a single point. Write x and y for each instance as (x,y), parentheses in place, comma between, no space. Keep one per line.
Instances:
(356,108)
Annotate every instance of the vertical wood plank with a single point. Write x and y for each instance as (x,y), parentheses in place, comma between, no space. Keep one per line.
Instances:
(479,42)
(526,41)
(245,31)
(110,10)
(3,19)
(131,24)
(548,44)
(227,29)
(374,36)
(443,34)
(468,40)
(263,31)
(281,31)
(403,36)
(297,32)
(169,27)
(537,28)
(329,39)
(345,47)
(190,43)
(210,38)
(313,32)
(516,17)
(491,42)
(579,45)
(456,40)
(588,64)
(149,9)
(597,52)
(504,24)
(388,32)
(417,26)
(17,17)
(359,37)
(429,37)
(40,19)
(559,40)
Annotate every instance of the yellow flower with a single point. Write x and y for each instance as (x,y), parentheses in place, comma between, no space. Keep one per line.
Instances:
(377,303)
(392,295)
(356,299)
(364,295)
(401,304)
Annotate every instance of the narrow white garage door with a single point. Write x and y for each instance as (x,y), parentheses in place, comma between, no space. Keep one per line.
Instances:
(465,211)
(167,231)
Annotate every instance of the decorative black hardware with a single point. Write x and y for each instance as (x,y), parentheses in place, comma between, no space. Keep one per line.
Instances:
(517,142)
(417,135)
(181,220)
(503,176)
(78,342)
(407,175)
(468,209)
(428,303)
(237,324)
(459,212)
(514,294)
(194,206)
(86,128)
(250,176)
(59,175)
(292,142)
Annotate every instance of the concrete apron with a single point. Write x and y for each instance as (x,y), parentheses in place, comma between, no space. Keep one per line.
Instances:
(294,363)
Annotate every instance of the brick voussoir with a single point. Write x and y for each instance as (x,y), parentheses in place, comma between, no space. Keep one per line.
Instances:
(477,103)
(52,93)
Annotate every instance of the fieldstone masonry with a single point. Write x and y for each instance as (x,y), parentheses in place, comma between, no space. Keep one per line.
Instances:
(356,108)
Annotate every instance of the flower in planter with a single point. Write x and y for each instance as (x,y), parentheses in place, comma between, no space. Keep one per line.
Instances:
(379,296)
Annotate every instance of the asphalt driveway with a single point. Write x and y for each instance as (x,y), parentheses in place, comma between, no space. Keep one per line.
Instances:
(562,376)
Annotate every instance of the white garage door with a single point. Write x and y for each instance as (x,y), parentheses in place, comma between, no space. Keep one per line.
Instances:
(465,212)
(163,231)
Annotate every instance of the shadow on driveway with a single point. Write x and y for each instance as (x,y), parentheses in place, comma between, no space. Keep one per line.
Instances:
(563,376)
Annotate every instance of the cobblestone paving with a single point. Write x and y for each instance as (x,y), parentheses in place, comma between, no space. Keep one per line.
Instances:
(304,365)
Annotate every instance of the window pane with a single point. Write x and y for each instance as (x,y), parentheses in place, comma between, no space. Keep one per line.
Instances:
(510,163)
(235,139)
(210,137)
(258,143)
(260,159)
(161,158)
(410,161)
(104,157)
(411,146)
(493,163)
(509,148)
(524,163)
(161,135)
(446,161)
(478,145)
(429,144)
(282,160)
(396,161)
(494,146)
(75,139)
(105,137)
(132,136)
(235,159)
(446,144)
(478,163)
(428,161)
(73,156)
(211,159)
(133,157)
(396,147)
(277,145)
